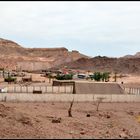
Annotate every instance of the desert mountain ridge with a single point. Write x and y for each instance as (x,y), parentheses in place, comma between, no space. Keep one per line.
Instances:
(136,55)
(14,56)
(119,65)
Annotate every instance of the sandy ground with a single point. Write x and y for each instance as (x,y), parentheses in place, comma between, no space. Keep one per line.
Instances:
(128,79)
(34,120)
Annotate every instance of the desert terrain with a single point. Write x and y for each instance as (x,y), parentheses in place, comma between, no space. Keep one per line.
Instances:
(35,119)
(50,120)
(69,70)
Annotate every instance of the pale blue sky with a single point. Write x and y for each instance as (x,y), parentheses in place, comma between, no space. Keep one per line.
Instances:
(93,28)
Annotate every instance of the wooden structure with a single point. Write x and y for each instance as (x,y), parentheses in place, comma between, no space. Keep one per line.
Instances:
(64,83)
(27,79)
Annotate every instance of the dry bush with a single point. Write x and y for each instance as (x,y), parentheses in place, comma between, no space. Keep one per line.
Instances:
(70,108)
(98,102)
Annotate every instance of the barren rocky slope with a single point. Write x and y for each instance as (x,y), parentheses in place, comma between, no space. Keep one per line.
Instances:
(137,55)
(12,54)
(36,120)
(120,65)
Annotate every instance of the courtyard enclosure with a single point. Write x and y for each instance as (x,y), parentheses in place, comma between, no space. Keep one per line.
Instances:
(43,89)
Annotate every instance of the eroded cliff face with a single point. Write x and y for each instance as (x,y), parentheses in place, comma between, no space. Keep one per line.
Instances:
(46,52)
(13,55)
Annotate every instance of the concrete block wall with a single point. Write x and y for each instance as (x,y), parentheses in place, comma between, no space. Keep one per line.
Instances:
(59,97)
(44,89)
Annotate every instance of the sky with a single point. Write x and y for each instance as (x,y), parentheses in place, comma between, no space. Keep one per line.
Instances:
(93,28)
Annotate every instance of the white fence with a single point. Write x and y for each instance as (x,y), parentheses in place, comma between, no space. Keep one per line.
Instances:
(129,90)
(67,97)
(44,89)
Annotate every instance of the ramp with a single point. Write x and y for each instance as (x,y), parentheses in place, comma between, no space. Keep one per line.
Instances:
(98,88)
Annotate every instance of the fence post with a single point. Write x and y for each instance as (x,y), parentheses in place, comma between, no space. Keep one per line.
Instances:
(133,91)
(7,89)
(127,90)
(63,89)
(71,89)
(33,88)
(20,89)
(27,89)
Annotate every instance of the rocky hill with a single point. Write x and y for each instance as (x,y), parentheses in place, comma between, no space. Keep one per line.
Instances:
(13,55)
(137,55)
(10,48)
(120,65)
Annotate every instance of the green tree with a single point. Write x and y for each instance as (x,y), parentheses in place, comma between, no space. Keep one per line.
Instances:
(97,76)
(10,79)
(91,77)
(105,76)
(64,77)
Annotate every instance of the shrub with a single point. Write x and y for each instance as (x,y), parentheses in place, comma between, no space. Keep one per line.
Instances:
(64,77)
(97,76)
(105,76)
(91,77)
(10,79)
